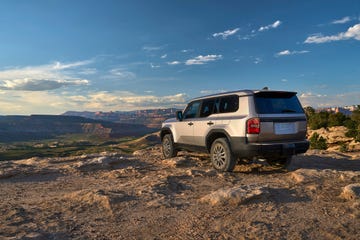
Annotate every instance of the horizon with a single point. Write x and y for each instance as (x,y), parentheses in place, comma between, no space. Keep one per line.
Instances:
(59,56)
(147,109)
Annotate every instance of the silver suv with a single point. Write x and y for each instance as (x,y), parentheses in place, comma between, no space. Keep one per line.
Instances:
(243,124)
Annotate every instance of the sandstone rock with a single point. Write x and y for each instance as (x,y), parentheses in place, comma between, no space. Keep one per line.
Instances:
(235,195)
(333,135)
(354,146)
(102,161)
(305,175)
(351,192)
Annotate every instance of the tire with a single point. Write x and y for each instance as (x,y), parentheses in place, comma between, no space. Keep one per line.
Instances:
(168,148)
(222,158)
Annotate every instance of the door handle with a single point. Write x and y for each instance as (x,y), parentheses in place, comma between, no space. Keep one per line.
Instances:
(190,124)
(210,123)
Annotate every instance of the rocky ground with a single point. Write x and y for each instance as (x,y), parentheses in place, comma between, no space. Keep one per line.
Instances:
(142,196)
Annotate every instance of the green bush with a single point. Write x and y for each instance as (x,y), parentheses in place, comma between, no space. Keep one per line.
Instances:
(319,120)
(344,147)
(318,142)
(336,119)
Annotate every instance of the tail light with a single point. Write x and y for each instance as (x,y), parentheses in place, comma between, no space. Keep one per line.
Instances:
(253,126)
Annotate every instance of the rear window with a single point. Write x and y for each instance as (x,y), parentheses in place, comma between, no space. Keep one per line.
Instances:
(277,102)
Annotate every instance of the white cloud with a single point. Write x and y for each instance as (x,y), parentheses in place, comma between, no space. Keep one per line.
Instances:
(61,66)
(288,52)
(270,26)
(35,102)
(38,84)
(342,20)
(257,60)
(28,102)
(226,33)
(174,63)
(187,50)
(154,66)
(352,33)
(164,56)
(122,100)
(121,73)
(199,60)
(323,100)
(43,77)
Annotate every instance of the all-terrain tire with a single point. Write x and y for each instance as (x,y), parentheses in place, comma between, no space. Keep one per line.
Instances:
(222,158)
(168,148)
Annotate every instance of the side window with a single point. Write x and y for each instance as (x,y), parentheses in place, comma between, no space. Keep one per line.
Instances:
(217,105)
(192,110)
(207,107)
(229,104)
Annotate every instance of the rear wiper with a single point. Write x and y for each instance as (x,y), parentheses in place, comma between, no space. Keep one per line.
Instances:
(288,111)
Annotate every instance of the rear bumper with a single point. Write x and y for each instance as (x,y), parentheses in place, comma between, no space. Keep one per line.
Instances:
(268,150)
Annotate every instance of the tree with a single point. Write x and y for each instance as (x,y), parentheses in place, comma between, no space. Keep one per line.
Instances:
(318,120)
(353,125)
(309,111)
(355,116)
(336,119)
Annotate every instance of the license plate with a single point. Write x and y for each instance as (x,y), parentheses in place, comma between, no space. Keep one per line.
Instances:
(285,128)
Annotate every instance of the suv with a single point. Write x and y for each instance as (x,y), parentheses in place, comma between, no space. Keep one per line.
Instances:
(243,124)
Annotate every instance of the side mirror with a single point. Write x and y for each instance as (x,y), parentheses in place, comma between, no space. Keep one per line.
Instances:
(179,115)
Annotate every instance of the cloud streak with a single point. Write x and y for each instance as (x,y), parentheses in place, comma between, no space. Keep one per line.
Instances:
(255,32)
(275,24)
(174,63)
(38,84)
(342,20)
(224,35)
(288,52)
(200,60)
(121,73)
(352,33)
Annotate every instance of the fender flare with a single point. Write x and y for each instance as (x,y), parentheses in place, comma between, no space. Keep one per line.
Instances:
(213,134)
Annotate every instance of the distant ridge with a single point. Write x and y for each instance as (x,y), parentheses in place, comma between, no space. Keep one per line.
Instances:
(151,117)
(38,127)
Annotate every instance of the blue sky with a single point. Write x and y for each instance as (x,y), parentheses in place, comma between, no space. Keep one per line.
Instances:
(59,55)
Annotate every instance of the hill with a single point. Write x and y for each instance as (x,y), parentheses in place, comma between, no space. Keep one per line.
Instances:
(38,127)
(151,118)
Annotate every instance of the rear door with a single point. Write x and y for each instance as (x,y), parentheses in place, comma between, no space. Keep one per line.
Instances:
(281,115)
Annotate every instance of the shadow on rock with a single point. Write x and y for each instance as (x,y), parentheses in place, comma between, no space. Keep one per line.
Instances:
(285,195)
(343,163)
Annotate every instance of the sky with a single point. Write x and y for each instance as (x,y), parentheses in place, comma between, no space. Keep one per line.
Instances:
(120,55)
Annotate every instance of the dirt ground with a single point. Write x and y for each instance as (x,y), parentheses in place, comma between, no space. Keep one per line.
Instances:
(142,196)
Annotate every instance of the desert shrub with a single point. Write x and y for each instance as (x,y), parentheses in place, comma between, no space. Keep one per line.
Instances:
(318,120)
(355,116)
(309,111)
(336,119)
(344,147)
(318,142)
(353,129)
